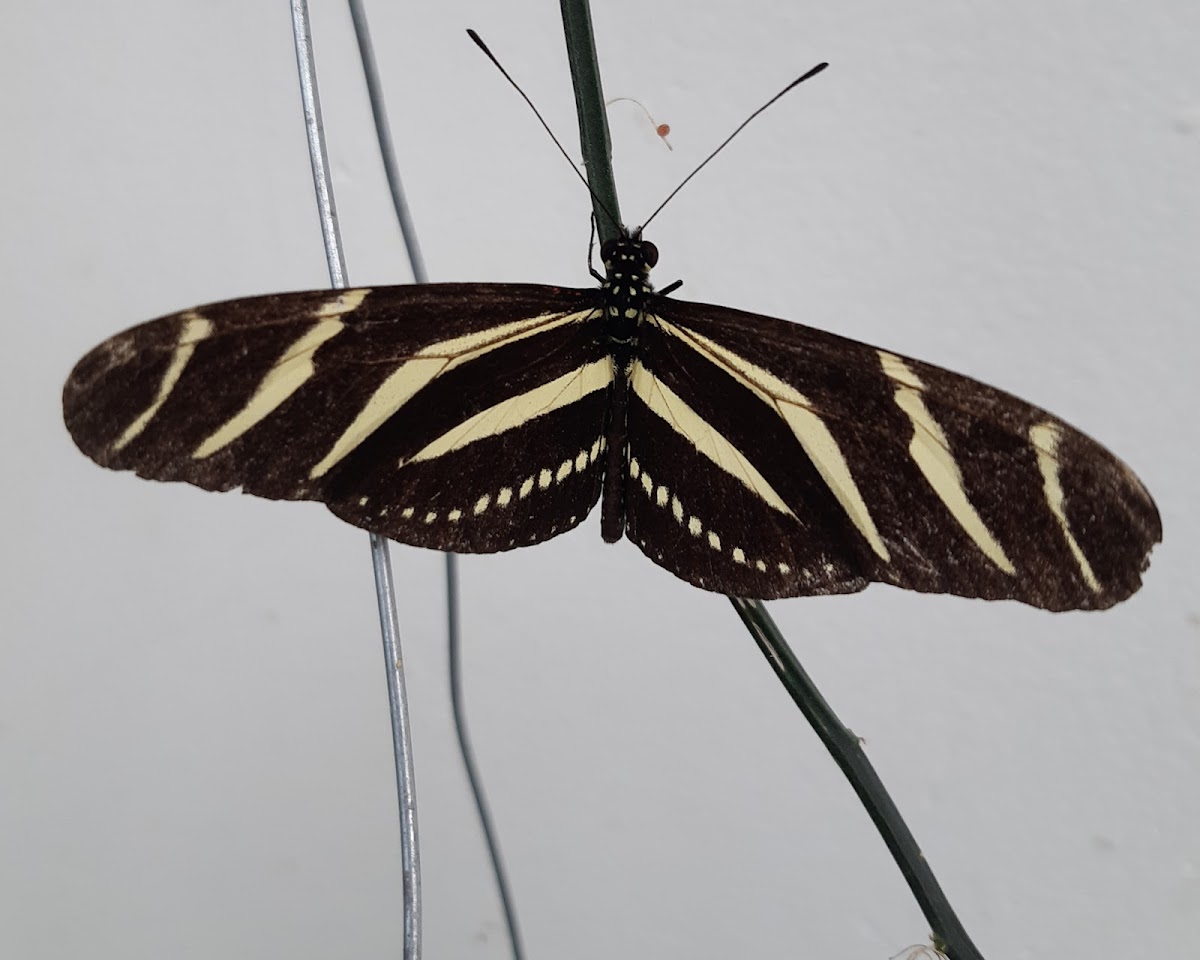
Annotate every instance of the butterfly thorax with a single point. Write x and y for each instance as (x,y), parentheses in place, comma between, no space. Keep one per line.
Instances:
(627,264)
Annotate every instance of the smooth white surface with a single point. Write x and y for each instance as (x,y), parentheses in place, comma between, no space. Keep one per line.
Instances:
(194,756)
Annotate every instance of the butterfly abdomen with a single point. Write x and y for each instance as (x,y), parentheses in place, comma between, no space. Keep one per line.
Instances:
(627,264)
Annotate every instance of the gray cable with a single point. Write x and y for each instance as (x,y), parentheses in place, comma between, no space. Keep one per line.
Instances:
(388,622)
(387,154)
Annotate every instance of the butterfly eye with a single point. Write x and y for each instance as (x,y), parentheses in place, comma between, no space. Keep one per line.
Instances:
(608,250)
(649,253)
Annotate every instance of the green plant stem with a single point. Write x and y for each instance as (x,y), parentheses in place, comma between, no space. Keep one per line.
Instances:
(842,744)
(847,752)
(593,116)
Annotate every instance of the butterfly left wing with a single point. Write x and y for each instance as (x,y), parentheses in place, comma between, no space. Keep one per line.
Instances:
(815,464)
(411,411)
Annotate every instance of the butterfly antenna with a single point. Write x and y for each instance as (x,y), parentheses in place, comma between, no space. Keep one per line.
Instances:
(741,126)
(545,126)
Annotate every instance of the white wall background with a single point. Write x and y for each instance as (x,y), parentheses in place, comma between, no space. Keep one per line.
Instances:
(194,755)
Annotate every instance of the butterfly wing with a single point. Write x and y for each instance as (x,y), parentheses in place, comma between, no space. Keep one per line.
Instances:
(411,411)
(816,464)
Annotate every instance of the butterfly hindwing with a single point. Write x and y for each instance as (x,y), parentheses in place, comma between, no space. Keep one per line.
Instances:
(475,470)
(409,410)
(923,478)
(709,497)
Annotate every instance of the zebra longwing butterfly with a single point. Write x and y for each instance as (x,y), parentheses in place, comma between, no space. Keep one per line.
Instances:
(748,455)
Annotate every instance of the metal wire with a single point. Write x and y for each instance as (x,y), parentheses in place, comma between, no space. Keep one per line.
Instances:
(383,136)
(454,650)
(388,621)
(387,154)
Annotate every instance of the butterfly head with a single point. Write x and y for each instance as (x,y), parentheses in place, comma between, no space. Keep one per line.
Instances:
(629,256)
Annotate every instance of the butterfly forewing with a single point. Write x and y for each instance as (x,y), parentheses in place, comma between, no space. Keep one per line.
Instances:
(382,403)
(933,481)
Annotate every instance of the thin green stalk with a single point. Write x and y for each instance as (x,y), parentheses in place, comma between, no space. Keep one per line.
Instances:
(843,745)
(847,753)
(593,116)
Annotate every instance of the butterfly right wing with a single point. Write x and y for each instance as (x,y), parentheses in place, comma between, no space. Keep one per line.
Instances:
(785,461)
